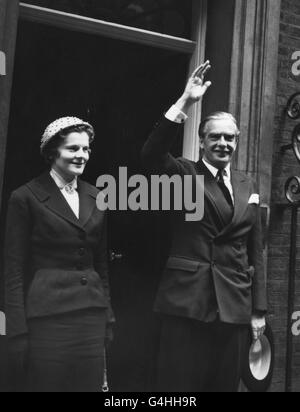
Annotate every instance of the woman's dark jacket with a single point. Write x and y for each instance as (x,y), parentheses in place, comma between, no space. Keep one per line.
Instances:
(54,263)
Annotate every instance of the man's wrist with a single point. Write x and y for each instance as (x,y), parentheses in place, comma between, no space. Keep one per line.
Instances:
(174,114)
(184,104)
(259,313)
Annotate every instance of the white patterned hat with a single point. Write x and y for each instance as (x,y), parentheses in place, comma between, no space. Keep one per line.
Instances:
(58,126)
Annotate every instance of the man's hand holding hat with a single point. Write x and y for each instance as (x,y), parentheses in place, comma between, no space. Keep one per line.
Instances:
(258,324)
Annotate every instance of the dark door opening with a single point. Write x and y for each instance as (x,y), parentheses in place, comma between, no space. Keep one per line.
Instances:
(122,89)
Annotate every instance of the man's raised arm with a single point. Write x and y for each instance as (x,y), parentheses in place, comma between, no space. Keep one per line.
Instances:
(156,155)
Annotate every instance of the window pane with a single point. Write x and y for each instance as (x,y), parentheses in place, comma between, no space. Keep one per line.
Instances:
(172,17)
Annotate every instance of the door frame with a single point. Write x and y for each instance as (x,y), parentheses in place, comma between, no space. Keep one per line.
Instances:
(13,10)
(9,14)
(256,119)
(195,47)
(83,24)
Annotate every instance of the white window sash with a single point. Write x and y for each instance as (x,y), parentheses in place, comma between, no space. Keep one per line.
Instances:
(89,25)
(195,47)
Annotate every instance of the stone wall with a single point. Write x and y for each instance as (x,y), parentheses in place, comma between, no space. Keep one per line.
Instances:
(284,166)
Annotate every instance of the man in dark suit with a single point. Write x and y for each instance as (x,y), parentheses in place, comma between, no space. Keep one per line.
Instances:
(213,287)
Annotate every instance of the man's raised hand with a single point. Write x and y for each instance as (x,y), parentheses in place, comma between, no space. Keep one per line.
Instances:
(195,88)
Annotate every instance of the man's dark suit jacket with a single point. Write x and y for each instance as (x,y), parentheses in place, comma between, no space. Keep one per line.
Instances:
(216,265)
(54,262)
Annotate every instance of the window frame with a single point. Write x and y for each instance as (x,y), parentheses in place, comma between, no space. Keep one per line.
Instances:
(195,47)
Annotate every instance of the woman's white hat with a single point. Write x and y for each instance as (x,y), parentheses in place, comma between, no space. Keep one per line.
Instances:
(58,126)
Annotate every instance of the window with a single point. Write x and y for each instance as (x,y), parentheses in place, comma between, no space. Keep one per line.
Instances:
(172,17)
(173,25)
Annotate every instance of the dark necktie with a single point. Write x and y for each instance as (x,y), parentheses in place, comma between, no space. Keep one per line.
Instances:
(223,187)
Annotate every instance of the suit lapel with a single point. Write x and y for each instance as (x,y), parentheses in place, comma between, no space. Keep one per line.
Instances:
(215,195)
(241,196)
(47,192)
(87,198)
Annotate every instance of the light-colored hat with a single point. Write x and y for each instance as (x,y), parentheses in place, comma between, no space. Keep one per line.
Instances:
(58,126)
(259,362)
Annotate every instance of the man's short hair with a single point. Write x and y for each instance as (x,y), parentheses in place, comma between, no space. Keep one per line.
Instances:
(216,116)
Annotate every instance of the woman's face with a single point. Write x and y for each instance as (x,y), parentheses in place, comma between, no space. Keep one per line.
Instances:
(73,155)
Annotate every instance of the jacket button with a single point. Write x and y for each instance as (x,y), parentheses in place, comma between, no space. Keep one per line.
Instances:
(84,281)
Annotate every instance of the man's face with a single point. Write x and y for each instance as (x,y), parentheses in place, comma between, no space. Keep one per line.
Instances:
(220,142)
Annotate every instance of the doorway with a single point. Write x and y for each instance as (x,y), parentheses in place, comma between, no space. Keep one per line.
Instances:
(123,90)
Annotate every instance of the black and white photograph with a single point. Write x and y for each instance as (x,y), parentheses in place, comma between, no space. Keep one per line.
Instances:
(149,199)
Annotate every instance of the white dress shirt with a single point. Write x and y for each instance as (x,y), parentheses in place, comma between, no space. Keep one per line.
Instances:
(177,116)
(68,190)
(227,176)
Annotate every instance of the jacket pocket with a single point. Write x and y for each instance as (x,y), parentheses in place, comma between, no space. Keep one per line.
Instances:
(179,263)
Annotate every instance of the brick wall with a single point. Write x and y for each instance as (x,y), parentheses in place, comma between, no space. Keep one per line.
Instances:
(284,166)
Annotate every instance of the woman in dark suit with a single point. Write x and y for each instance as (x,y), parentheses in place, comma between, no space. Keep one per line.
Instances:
(57,291)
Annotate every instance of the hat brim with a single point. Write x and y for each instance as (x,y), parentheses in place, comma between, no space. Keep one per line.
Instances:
(259,362)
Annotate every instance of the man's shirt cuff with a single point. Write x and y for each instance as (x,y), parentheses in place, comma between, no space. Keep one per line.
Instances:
(176,115)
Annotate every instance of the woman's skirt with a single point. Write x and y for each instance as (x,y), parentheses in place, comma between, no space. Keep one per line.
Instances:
(67,352)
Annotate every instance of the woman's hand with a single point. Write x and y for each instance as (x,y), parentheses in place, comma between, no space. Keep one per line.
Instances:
(18,349)
(109,336)
(195,88)
(18,357)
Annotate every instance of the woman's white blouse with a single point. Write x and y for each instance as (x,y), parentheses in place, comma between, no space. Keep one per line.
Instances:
(68,190)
